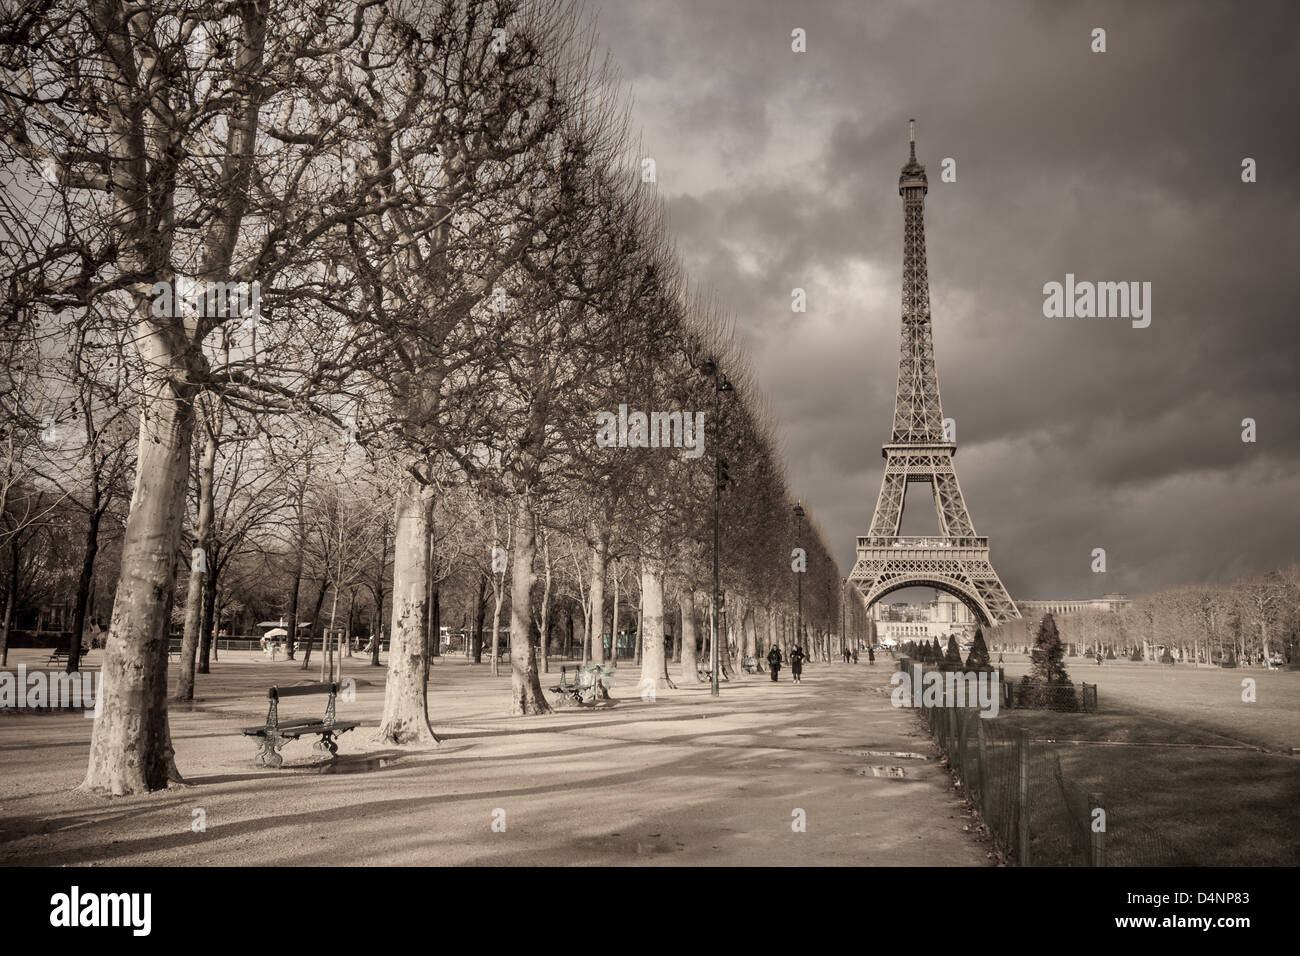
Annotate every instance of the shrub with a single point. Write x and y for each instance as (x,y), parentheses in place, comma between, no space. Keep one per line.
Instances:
(952,657)
(1047,685)
(978,658)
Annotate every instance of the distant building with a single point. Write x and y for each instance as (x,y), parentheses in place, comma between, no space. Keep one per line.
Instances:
(944,617)
(1107,602)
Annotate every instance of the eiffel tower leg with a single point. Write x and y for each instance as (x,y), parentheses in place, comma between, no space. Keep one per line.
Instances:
(889,506)
(953,516)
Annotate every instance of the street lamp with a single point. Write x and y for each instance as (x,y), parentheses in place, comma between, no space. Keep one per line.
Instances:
(830,611)
(720,477)
(844,600)
(798,536)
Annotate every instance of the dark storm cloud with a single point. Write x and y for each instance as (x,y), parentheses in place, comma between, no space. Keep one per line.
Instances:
(782,169)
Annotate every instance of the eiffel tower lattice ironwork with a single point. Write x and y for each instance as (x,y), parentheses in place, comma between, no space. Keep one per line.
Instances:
(919,450)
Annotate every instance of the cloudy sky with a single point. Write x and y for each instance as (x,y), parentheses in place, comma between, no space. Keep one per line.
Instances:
(781,171)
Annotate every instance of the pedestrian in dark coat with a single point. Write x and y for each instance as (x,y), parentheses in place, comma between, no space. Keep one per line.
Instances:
(774,661)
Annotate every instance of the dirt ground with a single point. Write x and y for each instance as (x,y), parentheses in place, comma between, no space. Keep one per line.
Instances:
(683,780)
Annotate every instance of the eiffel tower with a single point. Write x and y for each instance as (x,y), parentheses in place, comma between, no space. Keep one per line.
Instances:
(920,450)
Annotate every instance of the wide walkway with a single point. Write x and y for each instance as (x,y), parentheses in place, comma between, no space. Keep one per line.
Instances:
(683,780)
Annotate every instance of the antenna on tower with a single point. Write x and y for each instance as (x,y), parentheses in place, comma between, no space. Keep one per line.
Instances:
(911,137)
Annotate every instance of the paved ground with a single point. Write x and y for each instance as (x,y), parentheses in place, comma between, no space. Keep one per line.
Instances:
(684,780)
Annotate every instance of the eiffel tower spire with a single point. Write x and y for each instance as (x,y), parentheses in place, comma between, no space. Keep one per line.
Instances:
(957,561)
(918,412)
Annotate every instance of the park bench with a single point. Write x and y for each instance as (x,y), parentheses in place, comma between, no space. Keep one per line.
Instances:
(569,693)
(583,689)
(275,733)
(591,678)
(58,656)
(752,665)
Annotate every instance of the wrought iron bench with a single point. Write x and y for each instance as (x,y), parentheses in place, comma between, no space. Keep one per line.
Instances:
(275,733)
(569,693)
(752,665)
(594,682)
(58,656)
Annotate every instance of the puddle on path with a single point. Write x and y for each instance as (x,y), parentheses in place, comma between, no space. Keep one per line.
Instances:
(896,773)
(896,754)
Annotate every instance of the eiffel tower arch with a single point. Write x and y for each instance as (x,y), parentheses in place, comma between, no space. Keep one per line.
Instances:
(956,560)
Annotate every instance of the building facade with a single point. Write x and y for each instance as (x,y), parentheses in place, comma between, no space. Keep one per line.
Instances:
(1107,602)
(941,618)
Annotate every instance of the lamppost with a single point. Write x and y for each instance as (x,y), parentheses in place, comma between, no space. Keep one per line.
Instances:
(844,597)
(720,477)
(798,536)
(830,610)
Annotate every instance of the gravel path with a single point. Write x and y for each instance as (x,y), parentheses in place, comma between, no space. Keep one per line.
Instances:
(683,780)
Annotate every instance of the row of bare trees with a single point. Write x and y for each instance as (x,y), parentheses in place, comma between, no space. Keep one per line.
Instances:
(365,275)
(1253,618)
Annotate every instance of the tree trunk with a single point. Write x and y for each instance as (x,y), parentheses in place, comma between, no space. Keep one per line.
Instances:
(750,634)
(480,612)
(378,635)
(544,624)
(130,743)
(194,597)
(352,614)
(690,673)
(291,642)
(11,598)
(327,658)
(435,637)
(724,650)
(526,697)
(207,619)
(315,619)
(435,617)
(599,557)
(406,715)
(613,647)
(499,599)
(636,643)
(83,582)
(650,633)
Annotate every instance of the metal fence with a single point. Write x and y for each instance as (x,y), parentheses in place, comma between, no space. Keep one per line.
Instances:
(1034,812)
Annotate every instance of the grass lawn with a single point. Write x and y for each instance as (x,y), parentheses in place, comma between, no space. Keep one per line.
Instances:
(1189,773)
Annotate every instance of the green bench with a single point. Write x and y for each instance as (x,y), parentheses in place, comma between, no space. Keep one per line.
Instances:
(274,734)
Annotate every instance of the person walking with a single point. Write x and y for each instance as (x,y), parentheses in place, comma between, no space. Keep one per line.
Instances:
(774,661)
(796,664)
(871,654)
